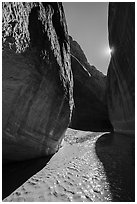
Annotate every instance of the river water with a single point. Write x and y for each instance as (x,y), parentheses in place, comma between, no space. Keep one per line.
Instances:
(89,167)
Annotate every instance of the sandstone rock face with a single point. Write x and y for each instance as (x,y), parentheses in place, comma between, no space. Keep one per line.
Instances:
(37,79)
(121,72)
(90,110)
(79,54)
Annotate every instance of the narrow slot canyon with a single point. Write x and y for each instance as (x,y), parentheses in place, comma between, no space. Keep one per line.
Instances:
(68,130)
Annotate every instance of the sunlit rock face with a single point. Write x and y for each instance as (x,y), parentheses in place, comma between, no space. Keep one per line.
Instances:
(37,79)
(121,72)
(90,110)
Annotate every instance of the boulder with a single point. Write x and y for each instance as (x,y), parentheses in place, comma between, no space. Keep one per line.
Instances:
(37,79)
(90,109)
(121,71)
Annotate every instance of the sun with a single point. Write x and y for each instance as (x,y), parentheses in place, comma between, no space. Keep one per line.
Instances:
(109,50)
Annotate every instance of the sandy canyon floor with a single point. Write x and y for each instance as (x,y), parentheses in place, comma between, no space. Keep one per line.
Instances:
(90,166)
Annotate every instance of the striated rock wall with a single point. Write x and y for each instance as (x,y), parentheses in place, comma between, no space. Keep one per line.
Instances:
(90,110)
(37,79)
(121,71)
(79,54)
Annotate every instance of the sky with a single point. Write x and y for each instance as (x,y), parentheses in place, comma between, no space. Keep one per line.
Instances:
(88,24)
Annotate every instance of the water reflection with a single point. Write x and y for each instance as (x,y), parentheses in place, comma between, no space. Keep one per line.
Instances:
(116,152)
(90,166)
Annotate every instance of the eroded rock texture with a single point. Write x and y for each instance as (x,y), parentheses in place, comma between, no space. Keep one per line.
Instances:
(121,72)
(37,80)
(90,111)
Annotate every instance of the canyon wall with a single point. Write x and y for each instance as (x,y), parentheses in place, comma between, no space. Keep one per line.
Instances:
(37,58)
(37,79)
(121,71)
(90,109)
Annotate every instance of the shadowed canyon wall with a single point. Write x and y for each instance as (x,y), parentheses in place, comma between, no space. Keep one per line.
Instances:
(38,55)
(37,79)
(90,110)
(121,71)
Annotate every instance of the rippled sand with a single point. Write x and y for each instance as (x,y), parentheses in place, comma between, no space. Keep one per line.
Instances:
(74,173)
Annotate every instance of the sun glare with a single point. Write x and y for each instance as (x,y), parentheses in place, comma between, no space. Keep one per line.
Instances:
(109,51)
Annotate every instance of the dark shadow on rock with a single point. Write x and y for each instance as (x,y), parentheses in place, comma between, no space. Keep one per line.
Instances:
(96,126)
(15,174)
(90,112)
(116,152)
